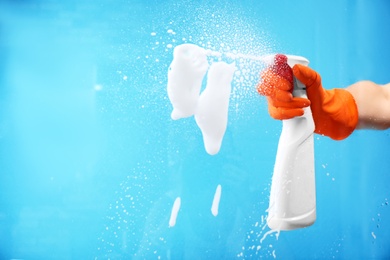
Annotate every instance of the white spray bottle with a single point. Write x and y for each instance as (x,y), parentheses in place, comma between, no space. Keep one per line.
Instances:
(293,195)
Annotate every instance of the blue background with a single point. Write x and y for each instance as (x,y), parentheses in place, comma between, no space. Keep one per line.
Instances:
(91,163)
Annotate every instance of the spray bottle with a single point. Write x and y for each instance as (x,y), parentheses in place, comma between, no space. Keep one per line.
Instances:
(293,196)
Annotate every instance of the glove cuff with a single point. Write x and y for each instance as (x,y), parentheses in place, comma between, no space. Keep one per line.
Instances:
(342,115)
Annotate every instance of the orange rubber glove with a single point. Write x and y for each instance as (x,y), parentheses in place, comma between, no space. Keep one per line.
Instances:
(334,111)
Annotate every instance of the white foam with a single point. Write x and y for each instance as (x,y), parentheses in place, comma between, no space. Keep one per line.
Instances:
(174,212)
(217,198)
(212,111)
(185,75)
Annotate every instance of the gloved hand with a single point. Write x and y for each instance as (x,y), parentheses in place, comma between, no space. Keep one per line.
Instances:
(334,111)
(277,85)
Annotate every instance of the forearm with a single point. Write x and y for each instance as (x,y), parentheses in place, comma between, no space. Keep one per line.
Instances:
(373,103)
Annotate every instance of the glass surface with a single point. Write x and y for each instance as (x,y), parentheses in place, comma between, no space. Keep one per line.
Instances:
(91,162)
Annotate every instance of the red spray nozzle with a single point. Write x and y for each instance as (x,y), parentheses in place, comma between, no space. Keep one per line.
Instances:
(281,67)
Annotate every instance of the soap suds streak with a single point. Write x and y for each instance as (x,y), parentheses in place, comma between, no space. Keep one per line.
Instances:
(175,212)
(216,200)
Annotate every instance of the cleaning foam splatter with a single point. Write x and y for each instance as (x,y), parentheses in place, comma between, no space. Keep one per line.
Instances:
(175,212)
(212,110)
(217,198)
(185,75)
